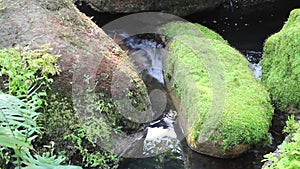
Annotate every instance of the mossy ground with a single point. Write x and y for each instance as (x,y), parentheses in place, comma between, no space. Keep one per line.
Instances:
(281,64)
(247,110)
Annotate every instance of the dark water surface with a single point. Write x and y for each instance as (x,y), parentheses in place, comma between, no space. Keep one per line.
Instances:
(247,31)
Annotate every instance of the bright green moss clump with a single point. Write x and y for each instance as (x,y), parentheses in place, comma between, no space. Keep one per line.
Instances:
(246,113)
(281,64)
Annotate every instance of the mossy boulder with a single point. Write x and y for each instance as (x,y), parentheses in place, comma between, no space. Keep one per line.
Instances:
(281,65)
(94,73)
(88,58)
(224,117)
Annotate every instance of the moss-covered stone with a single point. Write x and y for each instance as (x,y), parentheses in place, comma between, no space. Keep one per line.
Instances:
(246,110)
(281,64)
(90,62)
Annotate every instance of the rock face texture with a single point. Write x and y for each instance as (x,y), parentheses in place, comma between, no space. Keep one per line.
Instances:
(247,3)
(255,7)
(87,54)
(180,7)
(91,63)
(224,110)
(281,65)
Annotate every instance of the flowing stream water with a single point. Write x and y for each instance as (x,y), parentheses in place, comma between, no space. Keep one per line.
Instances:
(244,32)
(160,133)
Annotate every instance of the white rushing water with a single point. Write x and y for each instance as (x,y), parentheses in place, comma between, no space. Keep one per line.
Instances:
(161,136)
(255,62)
(257,69)
(146,55)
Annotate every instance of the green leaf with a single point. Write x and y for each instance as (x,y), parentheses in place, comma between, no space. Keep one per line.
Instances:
(47,162)
(12,142)
(17,124)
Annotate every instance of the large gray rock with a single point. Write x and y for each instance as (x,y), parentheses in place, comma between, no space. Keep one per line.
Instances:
(83,47)
(248,3)
(250,6)
(179,7)
(89,59)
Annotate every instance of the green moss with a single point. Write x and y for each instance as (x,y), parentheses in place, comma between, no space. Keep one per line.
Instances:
(80,131)
(172,29)
(26,73)
(211,35)
(281,64)
(247,109)
(55,5)
(62,126)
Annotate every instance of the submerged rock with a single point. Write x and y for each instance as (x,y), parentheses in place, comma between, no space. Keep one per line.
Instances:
(281,65)
(224,110)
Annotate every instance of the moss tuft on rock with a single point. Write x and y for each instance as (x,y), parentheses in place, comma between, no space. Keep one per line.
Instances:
(281,64)
(55,5)
(74,138)
(246,113)
(173,29)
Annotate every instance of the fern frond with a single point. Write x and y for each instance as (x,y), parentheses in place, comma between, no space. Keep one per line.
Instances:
(47,162)
(17,122)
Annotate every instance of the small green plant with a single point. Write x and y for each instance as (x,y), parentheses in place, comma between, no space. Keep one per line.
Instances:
(47,161)
(91,159)
(25,71)
(81,136)
(18,128)
(92,129)
(288,155)
(25,74)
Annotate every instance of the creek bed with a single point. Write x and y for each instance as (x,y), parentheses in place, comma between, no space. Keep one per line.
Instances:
(245,32)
